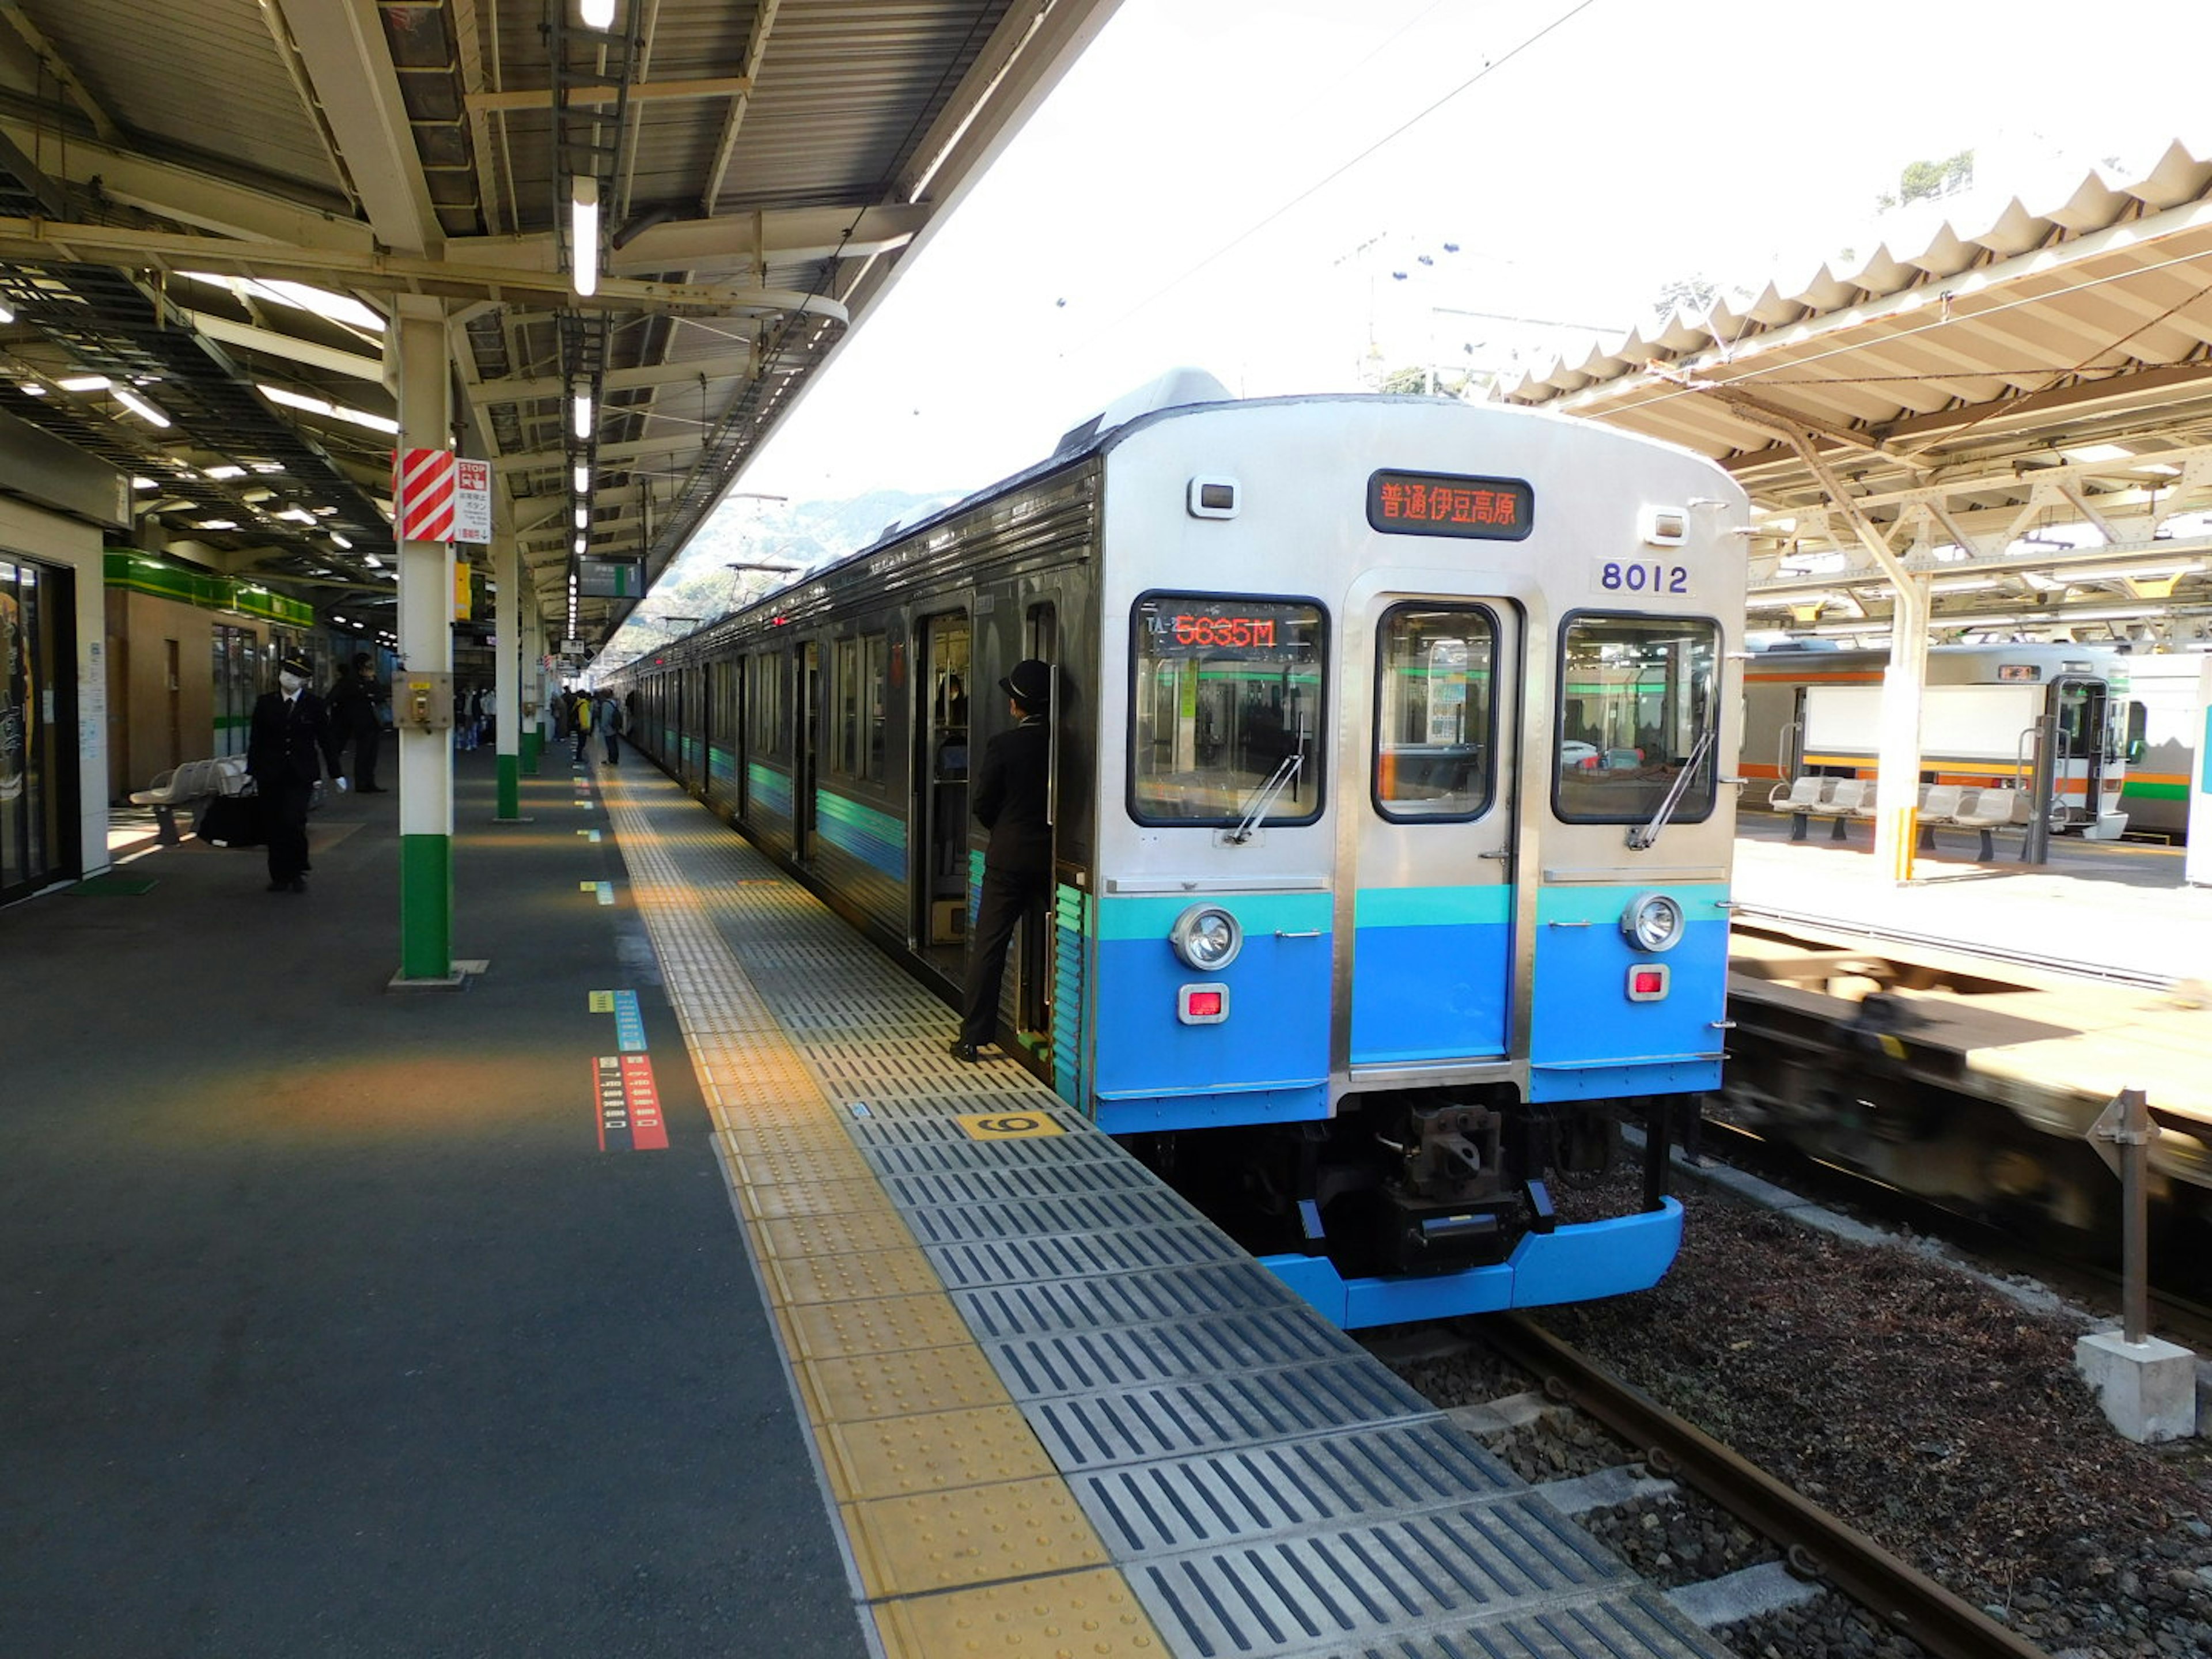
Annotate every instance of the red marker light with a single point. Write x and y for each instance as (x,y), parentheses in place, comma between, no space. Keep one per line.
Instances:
(1647,981)
(1206,1003)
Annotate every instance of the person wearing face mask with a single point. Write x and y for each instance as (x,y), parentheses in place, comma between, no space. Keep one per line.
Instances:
(290,741)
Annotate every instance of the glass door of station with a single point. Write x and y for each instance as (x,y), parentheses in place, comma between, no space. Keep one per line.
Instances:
(38,724)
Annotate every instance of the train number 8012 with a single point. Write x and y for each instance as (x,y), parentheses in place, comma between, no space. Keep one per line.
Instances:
(1624,576)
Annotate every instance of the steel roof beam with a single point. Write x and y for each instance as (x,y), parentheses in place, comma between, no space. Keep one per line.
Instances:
(349,65)
(34,241)
(170,190)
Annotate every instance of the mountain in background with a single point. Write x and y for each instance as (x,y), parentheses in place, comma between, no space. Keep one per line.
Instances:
(809,534)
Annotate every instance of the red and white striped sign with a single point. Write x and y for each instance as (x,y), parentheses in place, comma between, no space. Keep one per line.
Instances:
(423,495)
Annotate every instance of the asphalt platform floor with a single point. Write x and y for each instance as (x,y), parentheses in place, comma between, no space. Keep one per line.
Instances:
(327,1327)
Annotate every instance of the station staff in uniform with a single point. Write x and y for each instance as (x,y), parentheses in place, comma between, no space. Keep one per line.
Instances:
(291,740)
(1010,798)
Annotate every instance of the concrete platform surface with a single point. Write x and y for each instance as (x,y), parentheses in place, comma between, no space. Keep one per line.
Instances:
(328,1328)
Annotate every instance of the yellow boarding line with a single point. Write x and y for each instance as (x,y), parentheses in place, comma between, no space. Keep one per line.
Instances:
(966,1536)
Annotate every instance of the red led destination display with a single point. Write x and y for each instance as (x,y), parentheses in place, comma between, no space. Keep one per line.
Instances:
(1445,504)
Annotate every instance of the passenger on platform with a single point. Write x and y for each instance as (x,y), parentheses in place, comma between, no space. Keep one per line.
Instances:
(607,718)
(290,739)
(580,722)
(354,698)
(1011,792)
(561,702)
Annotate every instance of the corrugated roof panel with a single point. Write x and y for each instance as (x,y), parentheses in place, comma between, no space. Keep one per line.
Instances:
(155,81)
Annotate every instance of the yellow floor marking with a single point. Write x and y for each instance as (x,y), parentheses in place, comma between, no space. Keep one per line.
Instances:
(819,1235)
(826,1330)
(1007,1126)
(1092,1615)
(829,1198)
(860,1387)
(853,1277)
(802,1166)
(942,1539)
(899,1457)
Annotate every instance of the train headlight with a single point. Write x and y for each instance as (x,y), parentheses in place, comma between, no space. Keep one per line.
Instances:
(1206,937)
(1652,921)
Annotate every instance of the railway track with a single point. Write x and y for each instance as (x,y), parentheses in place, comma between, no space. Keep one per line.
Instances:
(1816,1546)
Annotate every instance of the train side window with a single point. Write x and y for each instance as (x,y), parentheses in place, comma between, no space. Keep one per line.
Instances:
(845,730)
(1227,709)
(771,740)
(875,653)
(1435,729)
(1635,695)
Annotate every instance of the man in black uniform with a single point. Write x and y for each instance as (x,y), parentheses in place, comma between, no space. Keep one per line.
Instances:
(290,738)
(353,712)
(1010,801)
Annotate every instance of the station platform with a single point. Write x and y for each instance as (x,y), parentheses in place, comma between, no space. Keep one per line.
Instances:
(349,1321)
(2045,989)
(2098,910)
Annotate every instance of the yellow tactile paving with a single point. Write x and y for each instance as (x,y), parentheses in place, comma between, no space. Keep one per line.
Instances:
(852,1277)
(801,1166)
(830,1198)
(825,1330)
(978,1535)
(899,1457)
(1079,1615)
(967,1538)
(828,1235)
(855,1388)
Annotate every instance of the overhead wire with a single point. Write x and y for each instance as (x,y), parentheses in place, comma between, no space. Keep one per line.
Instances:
(1245,235)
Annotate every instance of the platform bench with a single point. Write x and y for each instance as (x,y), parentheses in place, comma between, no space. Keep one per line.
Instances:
(183,785)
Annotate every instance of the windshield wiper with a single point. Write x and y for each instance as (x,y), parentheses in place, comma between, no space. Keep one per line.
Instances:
(1646,835)
(1273,786)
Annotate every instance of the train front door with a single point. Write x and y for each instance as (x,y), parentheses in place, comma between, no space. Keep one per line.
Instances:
(1430,930)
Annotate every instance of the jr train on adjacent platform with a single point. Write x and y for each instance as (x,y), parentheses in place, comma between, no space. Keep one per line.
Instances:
(2126,721)
(1392,848)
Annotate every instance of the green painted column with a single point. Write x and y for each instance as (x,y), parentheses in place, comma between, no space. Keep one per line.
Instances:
(426,907)
(532,743)
(510,786)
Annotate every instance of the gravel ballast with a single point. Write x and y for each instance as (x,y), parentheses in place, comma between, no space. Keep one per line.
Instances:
(1927,1408)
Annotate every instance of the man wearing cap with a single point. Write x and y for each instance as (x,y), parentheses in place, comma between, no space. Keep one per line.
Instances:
(290,738)
(1012,791)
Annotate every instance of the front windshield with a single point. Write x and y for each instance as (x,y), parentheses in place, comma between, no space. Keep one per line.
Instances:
(1227,691)
(1636,693)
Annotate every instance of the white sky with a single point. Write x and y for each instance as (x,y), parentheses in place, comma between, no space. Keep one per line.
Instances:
(1191,192)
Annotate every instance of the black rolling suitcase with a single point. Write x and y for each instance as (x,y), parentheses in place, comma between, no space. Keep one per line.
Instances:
(230,821)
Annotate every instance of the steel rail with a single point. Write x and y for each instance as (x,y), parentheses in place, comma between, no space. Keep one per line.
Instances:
(1817,1544)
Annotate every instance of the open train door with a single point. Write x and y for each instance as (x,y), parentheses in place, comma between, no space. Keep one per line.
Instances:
(1433,826)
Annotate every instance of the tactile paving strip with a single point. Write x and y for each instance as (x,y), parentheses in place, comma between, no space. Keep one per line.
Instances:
(1267,1487)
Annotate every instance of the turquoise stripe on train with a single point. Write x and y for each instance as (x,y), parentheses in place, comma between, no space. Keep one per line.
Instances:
(768,791)
(1431,973)
(877,839)
(1588,1041)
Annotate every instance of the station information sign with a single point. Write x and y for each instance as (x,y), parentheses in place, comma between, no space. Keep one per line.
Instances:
(1448,504)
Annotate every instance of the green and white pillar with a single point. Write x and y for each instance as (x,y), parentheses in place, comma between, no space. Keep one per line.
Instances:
(507,655)
(531,654)
(422,690)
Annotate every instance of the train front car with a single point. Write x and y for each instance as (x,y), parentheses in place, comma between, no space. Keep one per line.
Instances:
(1412,867)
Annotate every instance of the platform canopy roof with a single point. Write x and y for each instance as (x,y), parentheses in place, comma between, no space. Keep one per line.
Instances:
(1972,392)
(187,186)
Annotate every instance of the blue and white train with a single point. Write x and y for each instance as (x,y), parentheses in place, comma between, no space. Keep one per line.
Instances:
(1392,847)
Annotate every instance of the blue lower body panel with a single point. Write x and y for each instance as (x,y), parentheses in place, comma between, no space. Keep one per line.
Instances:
(1570,1264)
(1159,1114)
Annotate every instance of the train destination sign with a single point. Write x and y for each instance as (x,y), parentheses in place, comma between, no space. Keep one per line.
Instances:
(1447,504)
